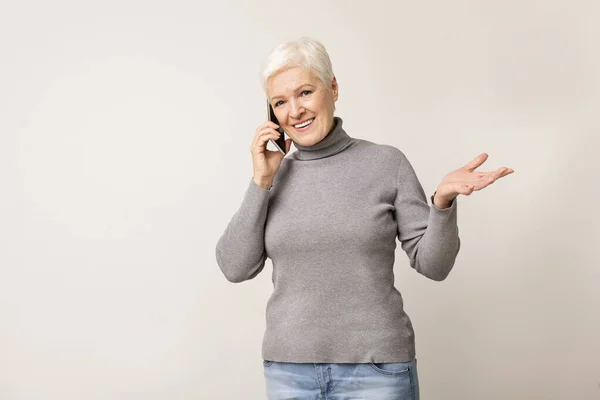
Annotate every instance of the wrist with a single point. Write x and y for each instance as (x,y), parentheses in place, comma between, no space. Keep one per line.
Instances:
(263,183)
(441,202)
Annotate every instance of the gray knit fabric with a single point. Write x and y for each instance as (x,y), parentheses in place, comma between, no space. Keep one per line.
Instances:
(329,225)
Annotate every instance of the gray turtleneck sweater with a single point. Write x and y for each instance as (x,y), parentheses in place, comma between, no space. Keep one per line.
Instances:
(329,225)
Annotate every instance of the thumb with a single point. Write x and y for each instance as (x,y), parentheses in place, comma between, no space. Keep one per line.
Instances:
(465,189)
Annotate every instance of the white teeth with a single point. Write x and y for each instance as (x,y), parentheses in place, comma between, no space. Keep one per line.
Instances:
(305,123)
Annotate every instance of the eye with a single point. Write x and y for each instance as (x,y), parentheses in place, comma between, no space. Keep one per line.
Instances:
(306,92)
(278,103)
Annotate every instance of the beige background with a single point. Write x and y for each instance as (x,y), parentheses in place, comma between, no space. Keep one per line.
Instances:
(124,151)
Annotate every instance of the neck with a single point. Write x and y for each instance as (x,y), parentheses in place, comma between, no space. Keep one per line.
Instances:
(335,141)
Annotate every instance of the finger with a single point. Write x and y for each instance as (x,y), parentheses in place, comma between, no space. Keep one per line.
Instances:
(490,178)
(273,125)
(266,125)
(499,173)
(266,128)
(270,124)
(507,172)
(260,141)
(266,134)
(477,161)
(502,172)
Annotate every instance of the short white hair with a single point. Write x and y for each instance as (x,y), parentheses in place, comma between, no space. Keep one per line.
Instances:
(306,52)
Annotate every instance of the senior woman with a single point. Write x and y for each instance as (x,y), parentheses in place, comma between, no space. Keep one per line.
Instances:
(328,216)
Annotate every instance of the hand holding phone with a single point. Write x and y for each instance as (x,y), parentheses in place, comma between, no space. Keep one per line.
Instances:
(265,162)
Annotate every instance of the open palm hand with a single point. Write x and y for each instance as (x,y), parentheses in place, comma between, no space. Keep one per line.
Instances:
(466,180)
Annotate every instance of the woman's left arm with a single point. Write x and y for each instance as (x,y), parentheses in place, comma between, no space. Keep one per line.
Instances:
(429,235)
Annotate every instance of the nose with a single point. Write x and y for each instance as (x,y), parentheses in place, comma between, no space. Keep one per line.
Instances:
(296,109)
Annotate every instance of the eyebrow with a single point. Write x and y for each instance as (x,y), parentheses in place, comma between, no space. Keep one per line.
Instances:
(299,88)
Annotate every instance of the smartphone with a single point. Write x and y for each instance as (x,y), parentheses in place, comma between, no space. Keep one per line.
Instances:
(279,143)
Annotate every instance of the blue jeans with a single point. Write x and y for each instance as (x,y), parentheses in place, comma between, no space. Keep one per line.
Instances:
(368,381)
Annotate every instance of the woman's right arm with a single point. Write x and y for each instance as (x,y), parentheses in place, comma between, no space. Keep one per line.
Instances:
(240,251)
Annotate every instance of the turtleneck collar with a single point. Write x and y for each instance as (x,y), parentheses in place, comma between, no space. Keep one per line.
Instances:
(335,141)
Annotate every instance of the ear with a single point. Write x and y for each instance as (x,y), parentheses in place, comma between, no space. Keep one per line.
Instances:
(334,89)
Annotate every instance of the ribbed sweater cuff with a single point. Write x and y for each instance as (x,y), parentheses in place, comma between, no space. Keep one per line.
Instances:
(444,213)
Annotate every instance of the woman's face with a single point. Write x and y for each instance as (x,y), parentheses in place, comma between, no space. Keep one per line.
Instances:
(298,97)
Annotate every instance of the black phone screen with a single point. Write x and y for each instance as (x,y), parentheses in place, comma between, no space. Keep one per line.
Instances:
(281,141)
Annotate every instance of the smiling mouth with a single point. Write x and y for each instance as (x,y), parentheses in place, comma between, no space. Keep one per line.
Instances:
(304,124)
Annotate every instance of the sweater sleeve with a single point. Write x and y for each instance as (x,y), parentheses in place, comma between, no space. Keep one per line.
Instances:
(428,235)
(240,251)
